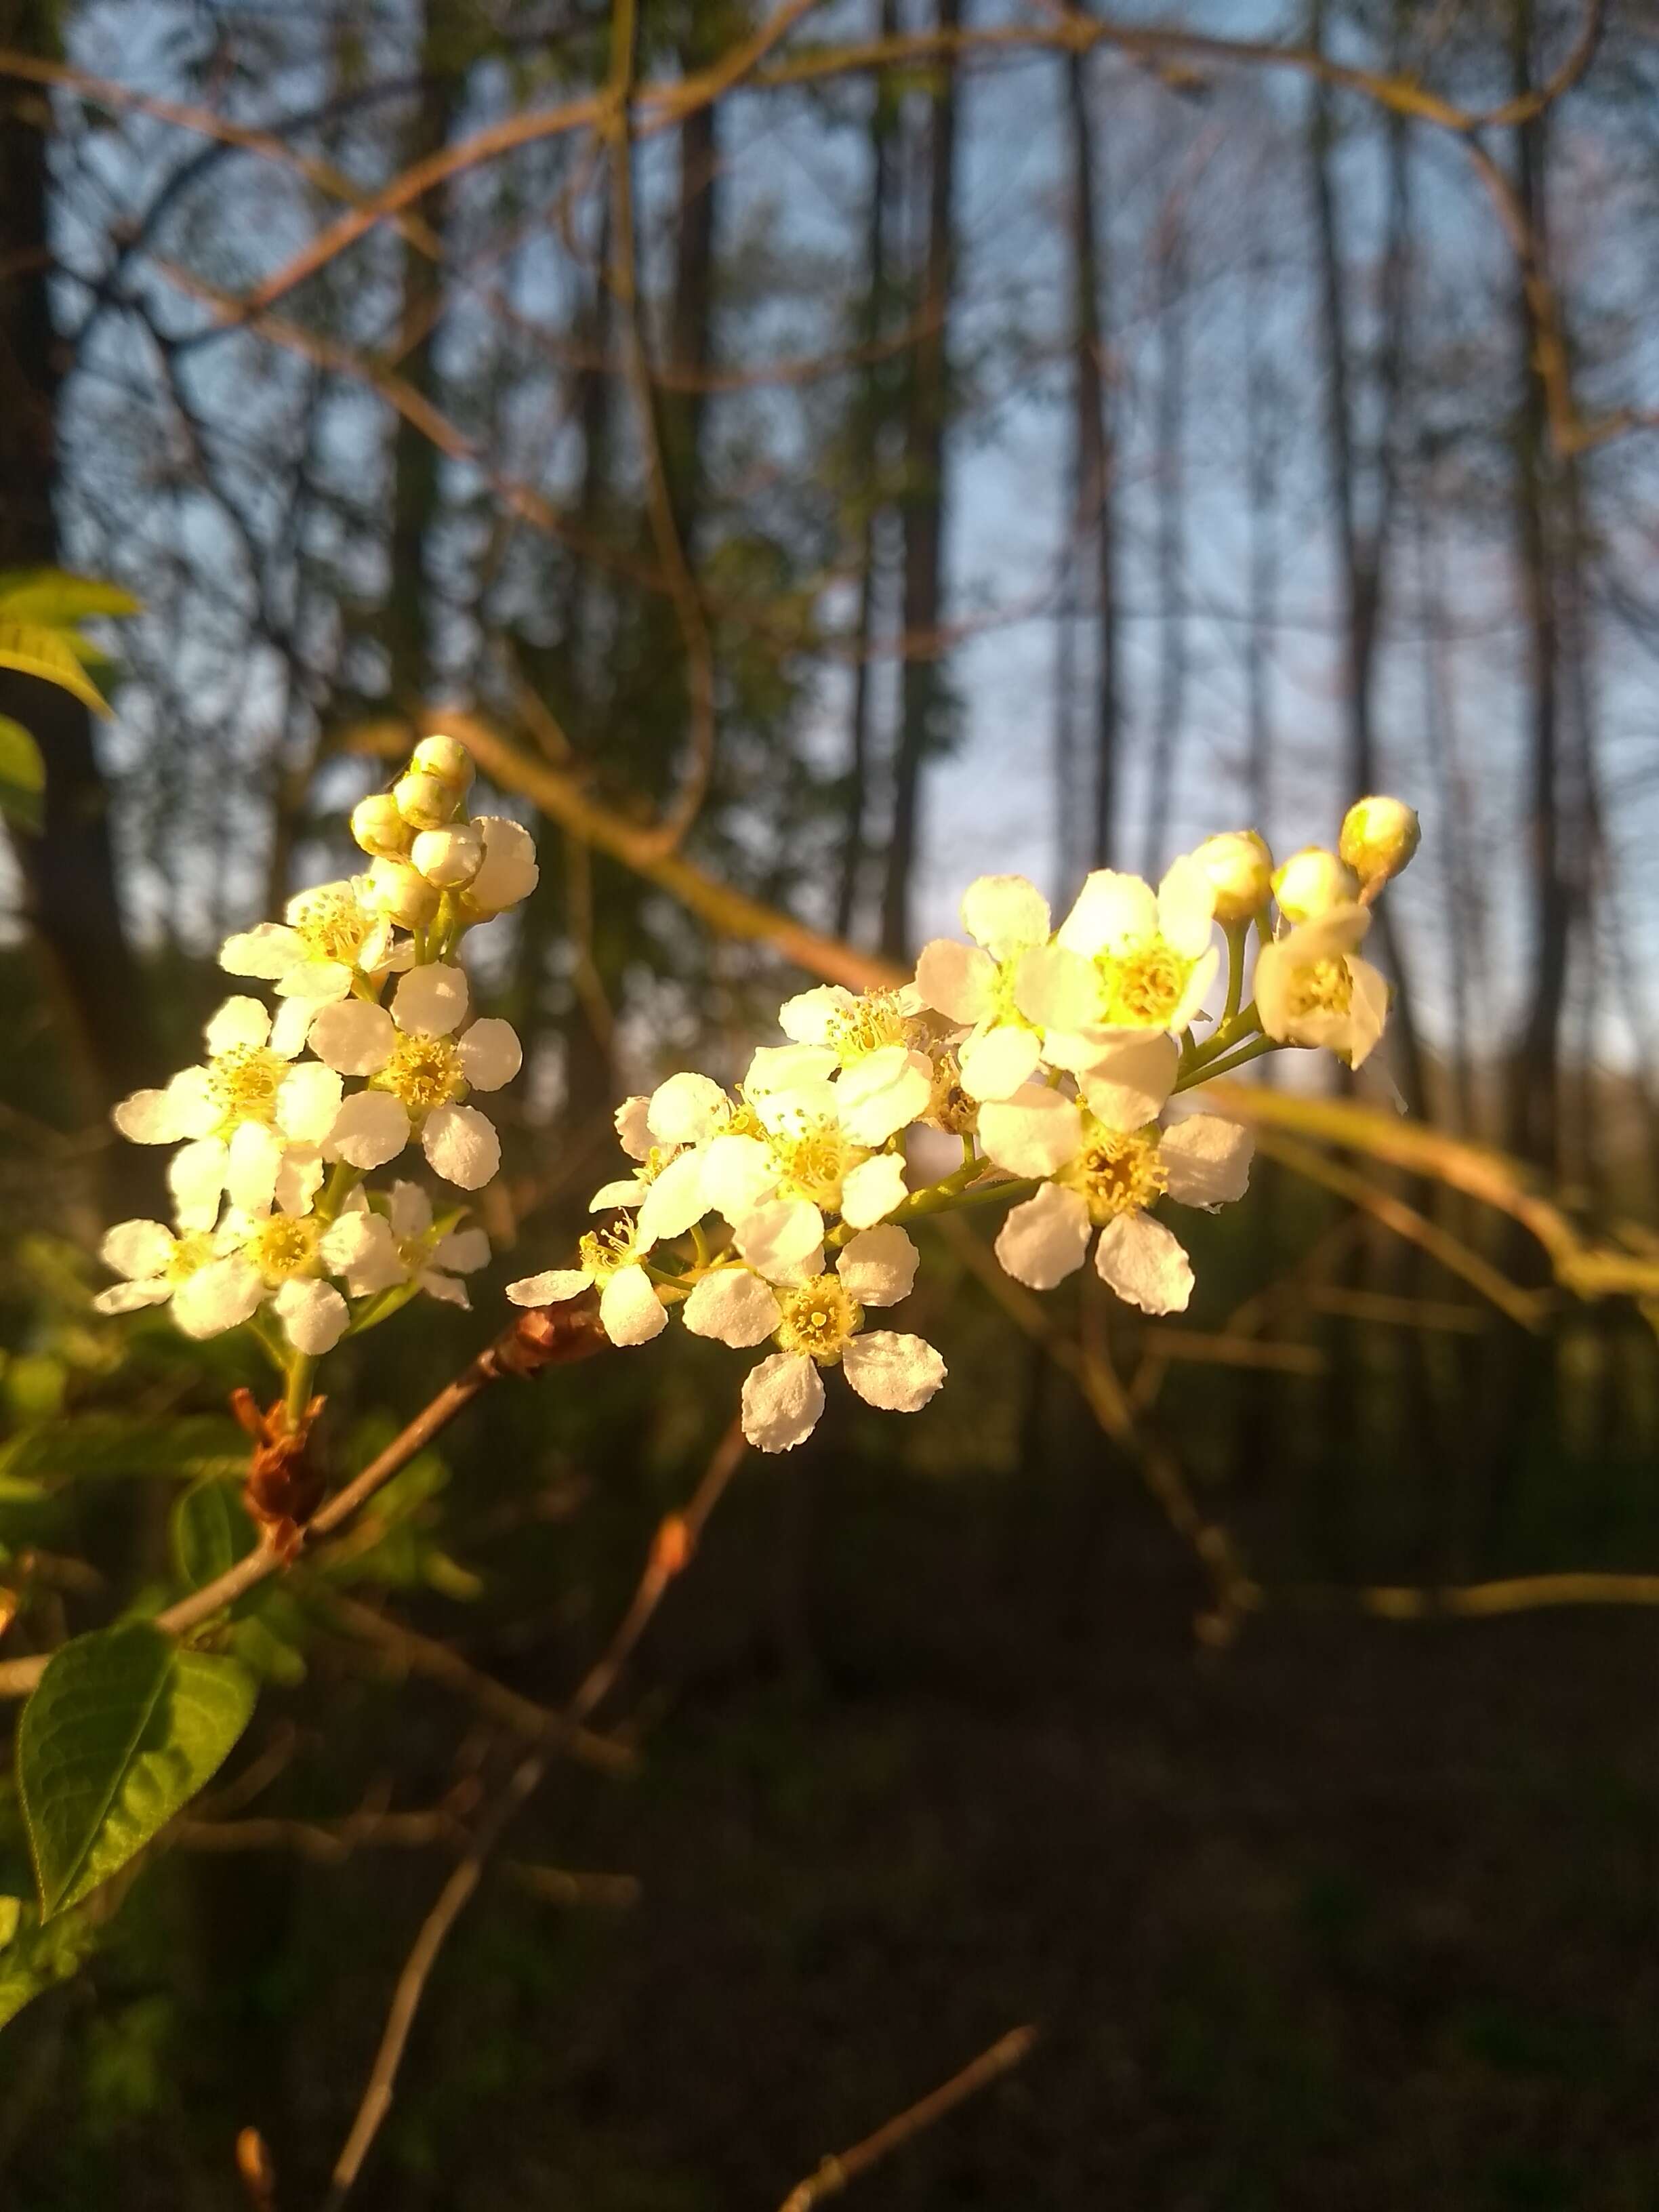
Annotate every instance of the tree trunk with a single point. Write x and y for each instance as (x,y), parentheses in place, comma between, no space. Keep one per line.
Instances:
(924,699)
(69,869)
(1171,556)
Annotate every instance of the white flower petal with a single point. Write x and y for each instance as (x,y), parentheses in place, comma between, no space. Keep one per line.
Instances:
(317,983)
(314,1316)
(148,1117)
(130,1297)
(370,1128)
(898,1373)
(1128,1085)
(490,1053)
(462,1252)
(778,1239)
(998,1061)
(1185,907)
(776,1068)
(675,1199)
(299,1178)
(1056,988)
(870,1191)
(445,1288)
(353,1038)
(782,1398)
(291,1027)
(957,980)
(267,951)
(1044,1240)
(360,1248)
(551,1288)
(1190,1004)
(878,1266)
(221,1296)
(731,1306)
(1368,1009)
(630,1192)
(737,1173)
(308,1101)
(1208,1160)
(630,1310)
(883,1093)
(196,1176)
(1148,1267)
(811,1017)
(252,1160)
(136,1249)
(1003,912)
(431,1001)
(1110,908)
(687,1108)
(237,1021)
(634,1127)
(460,1145)
(408,1209)
(1033,1132)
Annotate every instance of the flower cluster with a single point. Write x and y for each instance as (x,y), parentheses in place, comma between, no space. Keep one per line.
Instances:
(774,1213)
(372,1049)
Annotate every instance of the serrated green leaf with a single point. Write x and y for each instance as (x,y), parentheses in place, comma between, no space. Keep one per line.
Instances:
(22,775)
(34,650)
(125,1727)
(58,598)
(209,1531)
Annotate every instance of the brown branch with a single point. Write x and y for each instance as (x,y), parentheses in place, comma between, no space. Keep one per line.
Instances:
(546,1336)
(849,2166)
(437,1663)
(671,1548)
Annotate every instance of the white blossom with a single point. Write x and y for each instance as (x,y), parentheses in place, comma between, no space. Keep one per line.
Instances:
(373,1249)
(332,937)
(982,986)
(1108,1182)
(630,1309)
(1312,988)
(1126,962)
(210,1284)
(821,1325)
(873,1046)
(1312,883)
(419,1071)
(508,872)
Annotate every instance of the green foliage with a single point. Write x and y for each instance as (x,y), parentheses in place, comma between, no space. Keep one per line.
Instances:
(209,1531)
(125,1727)
(41,612)
(35,1957)
(22,775)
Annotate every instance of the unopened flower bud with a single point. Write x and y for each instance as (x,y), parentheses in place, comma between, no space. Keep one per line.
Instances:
(1379,836)
(509,872)
(379,828)
(401,893)
(448,857)
(1311,882)
(446,758)
(424,801)
(1240,870)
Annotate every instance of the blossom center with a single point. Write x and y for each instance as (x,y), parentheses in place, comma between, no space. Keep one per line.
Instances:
(332,925)
(819,1319)
(875,1022)
(243,1082)
(602,1252)
(189,1254)
(1142,983)
(285,1246)
(812,1159)
(424,1072)
(1117,1172)
(1325,987)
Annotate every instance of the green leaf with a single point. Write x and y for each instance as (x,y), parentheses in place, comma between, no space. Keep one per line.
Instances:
(34,650)
(125,1727)
(38,1956)
(22,775)
(209,1531)
(56,597)
(11,1912)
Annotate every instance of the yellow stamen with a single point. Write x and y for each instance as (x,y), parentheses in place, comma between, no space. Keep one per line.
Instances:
(243,1082)
(1142,983)
(424,1072)
(819,1319)
(285,1246)
(1117,1172)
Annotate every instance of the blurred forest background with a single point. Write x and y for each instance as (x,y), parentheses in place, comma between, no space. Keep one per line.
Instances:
(842,451)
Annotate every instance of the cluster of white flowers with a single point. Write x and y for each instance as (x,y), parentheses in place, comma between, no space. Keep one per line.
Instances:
(774,1212)
(270,1209)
